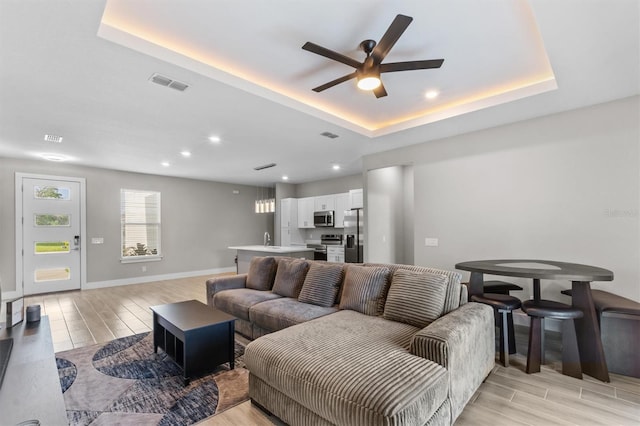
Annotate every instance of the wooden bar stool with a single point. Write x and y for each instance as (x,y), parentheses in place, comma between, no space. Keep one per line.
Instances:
(504,305)
(538,310)
(502,287)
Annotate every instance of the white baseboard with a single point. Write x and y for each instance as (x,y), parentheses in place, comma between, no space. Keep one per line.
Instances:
(151,278)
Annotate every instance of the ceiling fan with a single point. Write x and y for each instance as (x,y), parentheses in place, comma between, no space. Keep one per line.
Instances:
(368,72)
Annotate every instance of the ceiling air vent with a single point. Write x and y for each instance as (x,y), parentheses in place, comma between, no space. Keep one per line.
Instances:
(168,82)
(329,135)
(266,166)
(53,138)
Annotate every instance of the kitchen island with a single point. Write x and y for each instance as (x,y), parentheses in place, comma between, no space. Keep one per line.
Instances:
(246,253)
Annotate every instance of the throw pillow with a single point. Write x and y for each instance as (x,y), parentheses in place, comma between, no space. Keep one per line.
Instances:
(290,277)
(415,298)
(261,273)
(321,284)
(363,289)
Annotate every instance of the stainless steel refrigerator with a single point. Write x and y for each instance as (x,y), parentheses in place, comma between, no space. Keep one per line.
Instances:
(353,236)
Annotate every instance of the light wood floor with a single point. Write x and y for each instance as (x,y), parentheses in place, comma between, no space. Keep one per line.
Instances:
(507,397)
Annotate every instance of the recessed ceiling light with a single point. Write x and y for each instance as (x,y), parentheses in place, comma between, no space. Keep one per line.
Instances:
(214,139)
(185,153)
(336,167)
(285,177)
(53,157)
(165,164)
(431,94)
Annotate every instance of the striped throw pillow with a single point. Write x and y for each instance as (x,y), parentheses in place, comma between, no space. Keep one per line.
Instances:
(415,298)
(364,289)
(321,284)
(290,277)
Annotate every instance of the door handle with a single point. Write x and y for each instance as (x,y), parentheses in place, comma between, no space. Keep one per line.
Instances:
(76,242)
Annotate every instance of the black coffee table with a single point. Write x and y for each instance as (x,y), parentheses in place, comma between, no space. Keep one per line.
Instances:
(196,336)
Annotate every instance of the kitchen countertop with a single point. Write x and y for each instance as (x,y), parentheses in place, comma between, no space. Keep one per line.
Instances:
(272,249)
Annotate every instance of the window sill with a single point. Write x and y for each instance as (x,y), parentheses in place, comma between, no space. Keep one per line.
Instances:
(138,259)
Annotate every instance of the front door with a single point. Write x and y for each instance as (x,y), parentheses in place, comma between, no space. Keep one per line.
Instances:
(51,224)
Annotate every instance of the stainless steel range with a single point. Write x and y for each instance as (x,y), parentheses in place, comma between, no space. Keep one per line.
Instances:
(320,250)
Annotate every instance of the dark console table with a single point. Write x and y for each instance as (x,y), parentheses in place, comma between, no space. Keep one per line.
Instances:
(198,337)
(587,328)
(31,387)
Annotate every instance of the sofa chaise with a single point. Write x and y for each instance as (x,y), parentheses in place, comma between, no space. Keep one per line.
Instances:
(365,344)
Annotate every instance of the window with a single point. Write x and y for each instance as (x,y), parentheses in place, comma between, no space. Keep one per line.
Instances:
(51,193)
(140,225)
(52,219)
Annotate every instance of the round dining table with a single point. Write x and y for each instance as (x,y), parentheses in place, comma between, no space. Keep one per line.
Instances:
(587,328)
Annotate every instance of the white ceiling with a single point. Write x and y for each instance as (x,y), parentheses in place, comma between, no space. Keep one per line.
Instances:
(80,69)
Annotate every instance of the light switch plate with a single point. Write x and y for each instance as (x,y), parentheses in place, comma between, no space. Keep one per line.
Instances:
(431,242)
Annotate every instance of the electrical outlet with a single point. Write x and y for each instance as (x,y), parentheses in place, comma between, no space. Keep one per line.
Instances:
(144,269)
(431,242)
(97,240)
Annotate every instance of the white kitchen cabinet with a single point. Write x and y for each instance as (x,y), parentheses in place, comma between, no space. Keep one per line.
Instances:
(289,233)
(290,237)
(289,213)
(342,204)
(356,199)
(325,202)
(306,207)
(335,254)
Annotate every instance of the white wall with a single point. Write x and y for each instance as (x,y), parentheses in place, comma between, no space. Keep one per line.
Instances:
(408,217)
(200,219)
(384,224)
(389,216)
(562,187)
(329,186)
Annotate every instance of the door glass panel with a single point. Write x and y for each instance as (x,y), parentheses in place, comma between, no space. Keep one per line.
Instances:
(52,274)
(51,193)
(50,247)
(52,219)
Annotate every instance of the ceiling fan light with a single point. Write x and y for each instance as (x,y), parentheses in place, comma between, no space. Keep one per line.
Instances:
(368,82)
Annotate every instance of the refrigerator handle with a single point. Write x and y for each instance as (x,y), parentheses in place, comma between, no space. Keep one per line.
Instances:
(350,241)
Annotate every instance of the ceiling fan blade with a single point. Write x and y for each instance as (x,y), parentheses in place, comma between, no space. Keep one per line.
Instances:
(380,91)
(411,65)
(335,82)
(395,30)
(327,53)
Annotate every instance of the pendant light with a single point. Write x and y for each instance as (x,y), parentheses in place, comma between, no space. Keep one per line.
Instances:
(265,202)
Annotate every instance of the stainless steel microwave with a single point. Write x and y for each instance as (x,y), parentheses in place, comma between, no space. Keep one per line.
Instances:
(323,219)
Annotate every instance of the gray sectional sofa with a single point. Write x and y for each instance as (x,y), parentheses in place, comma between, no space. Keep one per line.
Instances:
(370,344)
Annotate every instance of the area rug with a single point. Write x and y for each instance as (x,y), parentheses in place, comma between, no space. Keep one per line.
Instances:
(123,382)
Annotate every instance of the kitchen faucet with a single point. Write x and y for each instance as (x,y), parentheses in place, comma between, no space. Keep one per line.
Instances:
(267,239)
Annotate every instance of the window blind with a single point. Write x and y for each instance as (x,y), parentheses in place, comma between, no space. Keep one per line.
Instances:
(140,223)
